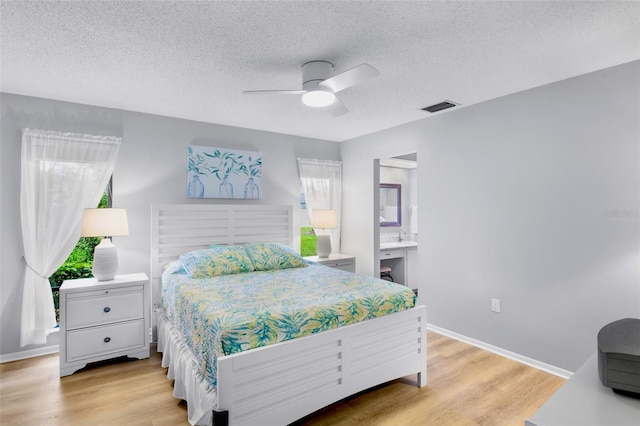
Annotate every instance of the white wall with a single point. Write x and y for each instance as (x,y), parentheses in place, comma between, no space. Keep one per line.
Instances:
(515,198)
(151,169)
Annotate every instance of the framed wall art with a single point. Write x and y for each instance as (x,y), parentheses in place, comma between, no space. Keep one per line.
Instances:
(223,173)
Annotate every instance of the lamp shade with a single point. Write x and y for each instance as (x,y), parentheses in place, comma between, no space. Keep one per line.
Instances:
(324,219)
(104,223)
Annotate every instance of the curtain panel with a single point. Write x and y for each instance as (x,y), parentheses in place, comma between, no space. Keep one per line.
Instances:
(322,186)
(61,175)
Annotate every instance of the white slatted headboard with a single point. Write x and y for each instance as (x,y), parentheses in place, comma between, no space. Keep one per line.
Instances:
(180,228)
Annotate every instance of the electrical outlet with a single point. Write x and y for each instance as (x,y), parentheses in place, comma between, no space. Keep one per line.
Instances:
(495,305)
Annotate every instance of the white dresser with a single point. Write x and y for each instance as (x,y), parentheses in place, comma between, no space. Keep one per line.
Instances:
(336,260)
(103,319)
(584,401)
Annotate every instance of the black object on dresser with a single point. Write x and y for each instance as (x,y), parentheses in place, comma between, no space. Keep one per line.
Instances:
(619,356)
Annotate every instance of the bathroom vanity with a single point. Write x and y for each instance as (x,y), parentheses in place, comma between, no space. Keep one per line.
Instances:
(402,258)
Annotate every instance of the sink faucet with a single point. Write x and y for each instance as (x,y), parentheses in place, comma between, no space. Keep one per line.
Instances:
(400,235)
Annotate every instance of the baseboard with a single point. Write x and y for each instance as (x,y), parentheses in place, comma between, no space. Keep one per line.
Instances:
(551,369)
(548,368)
(30,353)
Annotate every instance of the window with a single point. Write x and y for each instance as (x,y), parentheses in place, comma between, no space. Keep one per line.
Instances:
(321,182)
(61,174)
(80,261)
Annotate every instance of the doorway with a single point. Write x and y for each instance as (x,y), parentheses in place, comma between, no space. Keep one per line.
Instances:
(396,213)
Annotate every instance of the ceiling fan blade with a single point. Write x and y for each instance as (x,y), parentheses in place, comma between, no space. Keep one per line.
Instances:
(356,75)
(337,108)
(275,92)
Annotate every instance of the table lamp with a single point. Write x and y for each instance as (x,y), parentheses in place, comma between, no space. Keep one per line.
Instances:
(105,223)
(323,219)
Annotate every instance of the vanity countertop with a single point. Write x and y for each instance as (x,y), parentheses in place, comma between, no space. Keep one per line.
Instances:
(398,244)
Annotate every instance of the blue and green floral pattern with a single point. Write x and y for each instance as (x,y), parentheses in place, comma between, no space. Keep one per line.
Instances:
(233,313)
(270,256)
(214,261)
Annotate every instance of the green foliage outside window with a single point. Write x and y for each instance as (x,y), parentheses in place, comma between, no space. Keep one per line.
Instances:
(308,241)
(78,264)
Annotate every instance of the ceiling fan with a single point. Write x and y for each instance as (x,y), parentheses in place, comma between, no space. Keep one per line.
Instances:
(320,85)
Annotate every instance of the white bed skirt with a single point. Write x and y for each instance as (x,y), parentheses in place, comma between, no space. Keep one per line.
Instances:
(189,384)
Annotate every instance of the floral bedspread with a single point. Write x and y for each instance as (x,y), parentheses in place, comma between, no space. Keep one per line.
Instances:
(232,313)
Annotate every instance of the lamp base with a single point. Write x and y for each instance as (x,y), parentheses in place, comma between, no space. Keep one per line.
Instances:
(323,246)
(105,261)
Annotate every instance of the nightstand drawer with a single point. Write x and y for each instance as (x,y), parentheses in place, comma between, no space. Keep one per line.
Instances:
(85,343)
(345,265)
(103,307)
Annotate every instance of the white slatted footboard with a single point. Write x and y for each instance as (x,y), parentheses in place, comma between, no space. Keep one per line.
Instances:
(281,383)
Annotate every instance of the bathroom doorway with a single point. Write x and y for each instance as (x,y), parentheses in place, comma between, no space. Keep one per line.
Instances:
(396,213)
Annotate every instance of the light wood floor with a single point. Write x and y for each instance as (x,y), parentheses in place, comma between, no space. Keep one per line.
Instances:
(465,386)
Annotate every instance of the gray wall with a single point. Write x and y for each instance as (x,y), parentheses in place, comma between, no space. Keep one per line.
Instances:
(151,169)
(515,202)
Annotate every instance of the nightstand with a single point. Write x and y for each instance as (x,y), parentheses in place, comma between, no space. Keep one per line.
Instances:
(336,260)
(103,319)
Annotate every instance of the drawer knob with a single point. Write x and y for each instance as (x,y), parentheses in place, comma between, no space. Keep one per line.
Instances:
(107,309)
(107,339)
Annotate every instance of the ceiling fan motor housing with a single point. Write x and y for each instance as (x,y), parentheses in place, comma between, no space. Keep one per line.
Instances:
(315,72)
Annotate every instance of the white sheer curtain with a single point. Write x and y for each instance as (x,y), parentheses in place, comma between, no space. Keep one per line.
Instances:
(62,174)
(322,186)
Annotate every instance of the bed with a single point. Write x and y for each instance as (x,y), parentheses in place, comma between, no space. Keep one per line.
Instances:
(293,376)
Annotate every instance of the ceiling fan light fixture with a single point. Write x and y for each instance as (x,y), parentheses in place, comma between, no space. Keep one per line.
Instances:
(318,98)
(320,85)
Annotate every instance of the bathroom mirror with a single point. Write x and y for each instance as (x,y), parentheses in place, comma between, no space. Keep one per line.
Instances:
(390,205)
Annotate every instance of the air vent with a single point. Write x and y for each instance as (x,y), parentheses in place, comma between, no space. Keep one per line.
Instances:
(439,107)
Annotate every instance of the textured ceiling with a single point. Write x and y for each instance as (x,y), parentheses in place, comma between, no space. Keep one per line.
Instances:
(193,59)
